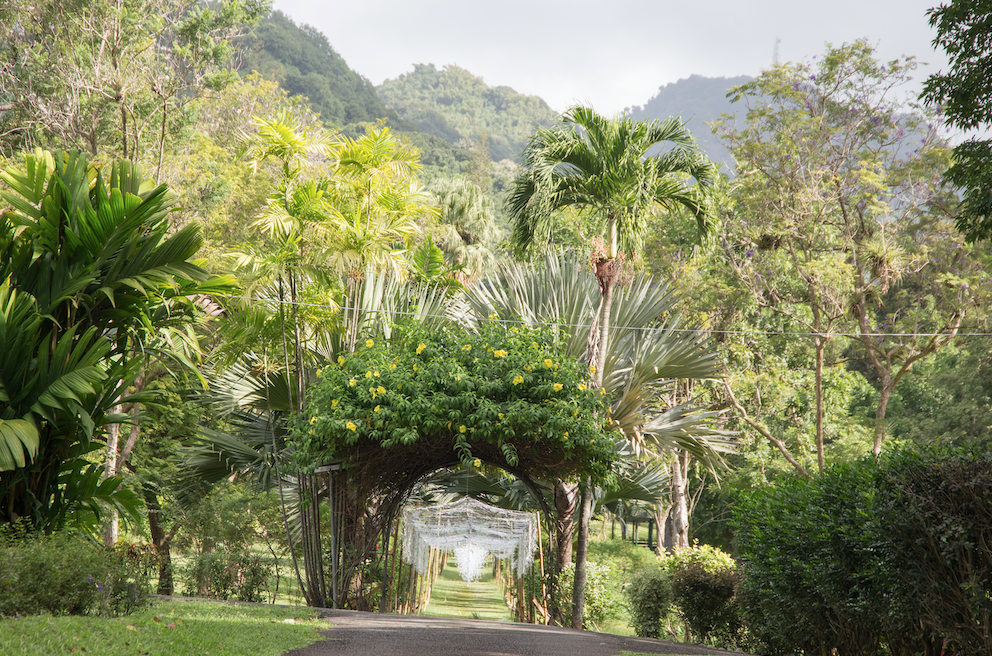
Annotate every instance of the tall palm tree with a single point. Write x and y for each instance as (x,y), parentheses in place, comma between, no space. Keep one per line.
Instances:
(605,165)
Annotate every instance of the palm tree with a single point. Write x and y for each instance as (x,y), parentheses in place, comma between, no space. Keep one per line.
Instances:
(97,277)
(604,165)
(649,353)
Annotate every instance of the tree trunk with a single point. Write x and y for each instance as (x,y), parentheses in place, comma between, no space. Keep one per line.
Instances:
(111,524)
(821,345)
(581,549)
(162,542)
(564,523)
(680,502)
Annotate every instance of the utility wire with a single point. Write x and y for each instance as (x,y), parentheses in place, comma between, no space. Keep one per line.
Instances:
(698,331)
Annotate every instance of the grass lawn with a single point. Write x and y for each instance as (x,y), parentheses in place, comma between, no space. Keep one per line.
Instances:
(166,628)
(453,597)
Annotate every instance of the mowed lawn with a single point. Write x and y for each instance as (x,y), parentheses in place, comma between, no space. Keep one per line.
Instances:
(480,600)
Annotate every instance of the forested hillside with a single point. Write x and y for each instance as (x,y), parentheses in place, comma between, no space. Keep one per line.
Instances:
(304,63)
(454,104)
(699,101)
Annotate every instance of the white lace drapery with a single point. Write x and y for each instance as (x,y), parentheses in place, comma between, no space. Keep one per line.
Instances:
(472,530)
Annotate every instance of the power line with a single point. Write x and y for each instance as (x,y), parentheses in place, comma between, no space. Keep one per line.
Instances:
(695,331)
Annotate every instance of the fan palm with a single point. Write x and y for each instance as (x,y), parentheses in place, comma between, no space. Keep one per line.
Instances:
(603,165)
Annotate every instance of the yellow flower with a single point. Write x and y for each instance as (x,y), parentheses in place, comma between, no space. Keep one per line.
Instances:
(458,379)
(392,366)
(318,373)
(527,367)
(421,347)
(467,347)
(341,359)
(381,389)
(582,387)
(548,363)
(334,403)
(368,374)
(376,409)
(501,415)
(533,344)
(351,383)
(351,426)
(369,343)
(556,387)
(462,428)
(375,373)
(313,420)
(602,391)
(566,435)
(499,354)
(592,368)
(518,380)
(477,462)
(416,366)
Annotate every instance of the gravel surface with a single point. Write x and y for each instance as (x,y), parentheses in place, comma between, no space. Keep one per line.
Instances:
(358,634)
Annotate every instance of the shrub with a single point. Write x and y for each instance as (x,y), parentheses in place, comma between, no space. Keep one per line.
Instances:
(216,575)
(704,594)
(810,565)
(650,595)
(604,599)
(935,512)
(66,574)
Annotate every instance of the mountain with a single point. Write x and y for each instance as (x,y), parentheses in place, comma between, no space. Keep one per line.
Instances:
(698,100)
(455,105)
(302,61)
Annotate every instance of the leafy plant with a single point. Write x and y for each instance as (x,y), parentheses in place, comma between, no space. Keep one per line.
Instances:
(650,596)
(220,575)
(66,574)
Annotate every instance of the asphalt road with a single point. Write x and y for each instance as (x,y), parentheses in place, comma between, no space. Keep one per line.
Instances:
(360,634)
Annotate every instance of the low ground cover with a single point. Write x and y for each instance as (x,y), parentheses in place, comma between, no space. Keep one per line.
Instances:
(166,627)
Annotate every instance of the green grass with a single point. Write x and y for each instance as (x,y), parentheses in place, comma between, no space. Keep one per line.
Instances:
(453,597)
(166,628)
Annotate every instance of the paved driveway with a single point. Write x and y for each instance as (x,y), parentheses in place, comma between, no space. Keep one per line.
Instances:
(360,634)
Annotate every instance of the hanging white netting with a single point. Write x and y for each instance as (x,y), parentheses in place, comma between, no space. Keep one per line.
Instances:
(472,530)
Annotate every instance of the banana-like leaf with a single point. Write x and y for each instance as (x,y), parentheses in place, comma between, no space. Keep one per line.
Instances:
(19,443)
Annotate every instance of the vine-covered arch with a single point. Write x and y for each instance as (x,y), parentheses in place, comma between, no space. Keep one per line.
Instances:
(393,413)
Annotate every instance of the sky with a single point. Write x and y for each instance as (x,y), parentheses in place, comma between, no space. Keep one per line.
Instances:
(610,54)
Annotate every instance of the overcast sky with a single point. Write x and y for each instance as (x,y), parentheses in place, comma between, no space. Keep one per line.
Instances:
(611,54)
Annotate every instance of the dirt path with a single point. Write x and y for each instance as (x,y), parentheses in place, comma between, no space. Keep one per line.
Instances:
(360,634)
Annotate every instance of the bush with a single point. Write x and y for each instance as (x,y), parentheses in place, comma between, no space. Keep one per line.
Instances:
(66,574)
(217,575)
(935,513)
(891,552)
(604,599)
(650,595)
(704,584)
(809,564)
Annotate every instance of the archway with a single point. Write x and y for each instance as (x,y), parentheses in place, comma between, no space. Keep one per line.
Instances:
(394,413)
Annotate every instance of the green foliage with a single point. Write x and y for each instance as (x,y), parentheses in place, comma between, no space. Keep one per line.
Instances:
(226,575)
(66,574)
(301,60)
(704,582)
(454,104)
(963,94)
(935,514)
(650,596)
(507,396)
(603,593)
(809,565)
(878,552)
(177,628)
(93,274)
(698,100)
